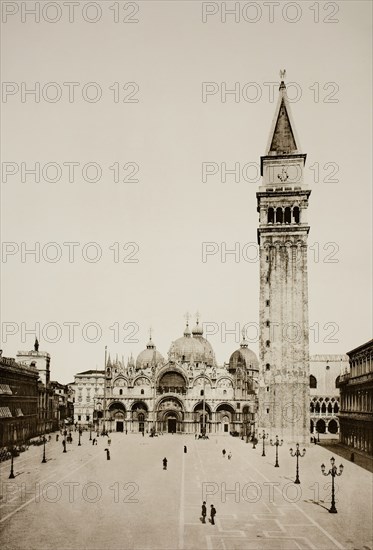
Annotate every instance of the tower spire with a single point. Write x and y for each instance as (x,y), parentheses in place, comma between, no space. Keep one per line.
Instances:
(282,137)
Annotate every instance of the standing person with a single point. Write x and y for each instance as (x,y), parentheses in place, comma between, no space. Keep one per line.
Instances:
(204,512)
(107,454)
(185,449)
(223,452)
(229,455)
(165,463)
(64,446)
(212,514)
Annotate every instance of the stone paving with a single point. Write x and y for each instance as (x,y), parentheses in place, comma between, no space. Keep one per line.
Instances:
(79,500)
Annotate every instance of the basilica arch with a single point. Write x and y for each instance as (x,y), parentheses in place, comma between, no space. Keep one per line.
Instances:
(139,417)
(117,416)
(225,416)
(202,417)
(170,415)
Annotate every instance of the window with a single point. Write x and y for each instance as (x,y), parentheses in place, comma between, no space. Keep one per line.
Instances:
(268,343)
(201,393)
(238,405)
(271,215)
(296,214)
(267,388)
(267,323)
(120,392)
(287,215)
(79,417)
(268,366)
(279,215)
(87,417)
(267,302)
(267,411)
(313,381)
(142,392)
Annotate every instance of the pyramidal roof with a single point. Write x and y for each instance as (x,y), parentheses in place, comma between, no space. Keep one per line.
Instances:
(283,139)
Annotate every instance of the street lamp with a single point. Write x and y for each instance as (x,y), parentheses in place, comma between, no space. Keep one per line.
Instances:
(264,437)
(277,444)
(333,472)
(12,453)
(11,475)
(298,454)
(90,432)
(44,460)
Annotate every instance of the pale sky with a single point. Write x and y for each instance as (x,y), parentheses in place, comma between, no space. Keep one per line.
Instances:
(169,133)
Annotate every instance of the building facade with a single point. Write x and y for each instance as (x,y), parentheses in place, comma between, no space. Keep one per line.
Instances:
(325,371)
(187,393)
(18,402)
(282,199)
(47,403)
(356,396)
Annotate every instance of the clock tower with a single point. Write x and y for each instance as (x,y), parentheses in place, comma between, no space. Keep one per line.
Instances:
(283,309)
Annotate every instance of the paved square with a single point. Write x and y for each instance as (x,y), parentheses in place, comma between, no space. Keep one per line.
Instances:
(81,500)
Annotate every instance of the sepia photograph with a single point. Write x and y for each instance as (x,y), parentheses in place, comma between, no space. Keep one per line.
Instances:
(186,355)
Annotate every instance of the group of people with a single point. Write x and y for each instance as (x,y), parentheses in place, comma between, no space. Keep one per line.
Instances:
(212,513)
(224,453)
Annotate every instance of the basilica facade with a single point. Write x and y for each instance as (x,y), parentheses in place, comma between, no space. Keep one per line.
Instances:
(185,393)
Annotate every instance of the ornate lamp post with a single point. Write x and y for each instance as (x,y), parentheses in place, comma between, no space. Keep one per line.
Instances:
(44,460)
(298,454)
(333,472)
(264,437)
(277,444)
(11,475)
(12,452)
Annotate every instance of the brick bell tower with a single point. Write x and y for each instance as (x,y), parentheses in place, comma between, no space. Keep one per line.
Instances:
(283,304)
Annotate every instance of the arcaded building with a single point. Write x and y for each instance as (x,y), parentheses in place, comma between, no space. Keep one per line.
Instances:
(325,371)
(356,395)
(185,393)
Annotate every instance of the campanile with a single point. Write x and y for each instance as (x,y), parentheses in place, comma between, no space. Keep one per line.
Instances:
(283,230)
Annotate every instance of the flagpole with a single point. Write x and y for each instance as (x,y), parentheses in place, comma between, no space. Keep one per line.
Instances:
(103,423)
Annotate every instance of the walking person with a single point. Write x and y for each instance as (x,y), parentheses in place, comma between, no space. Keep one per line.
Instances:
(64,446)
(107,454)
(212,514)
(223,452)
(229,455)
(165,463)
(204,512)
(185,449)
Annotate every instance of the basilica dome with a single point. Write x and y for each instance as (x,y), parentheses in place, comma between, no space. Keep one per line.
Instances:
(149,356)
(208,352)
(187,349)
(244,357)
